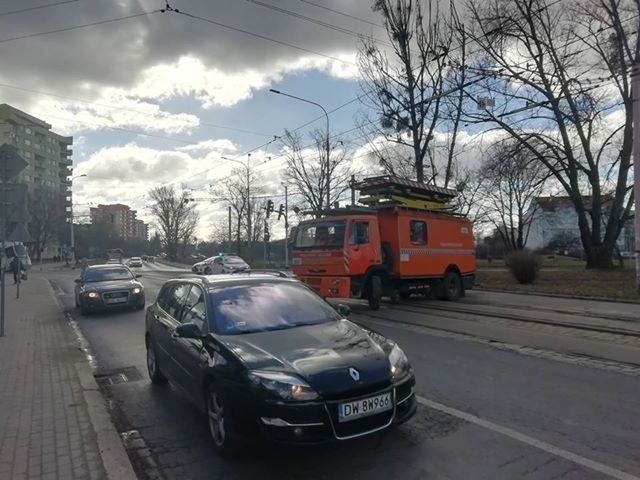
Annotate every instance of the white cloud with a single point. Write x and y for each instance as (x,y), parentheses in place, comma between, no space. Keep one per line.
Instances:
(223,145)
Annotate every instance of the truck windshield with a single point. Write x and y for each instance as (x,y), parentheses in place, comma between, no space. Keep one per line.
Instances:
(327,233)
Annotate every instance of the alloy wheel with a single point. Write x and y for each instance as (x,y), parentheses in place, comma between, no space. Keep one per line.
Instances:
(215,413)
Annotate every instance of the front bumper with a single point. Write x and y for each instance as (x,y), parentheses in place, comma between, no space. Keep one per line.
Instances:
(136,300)
(316,422)
(328,287)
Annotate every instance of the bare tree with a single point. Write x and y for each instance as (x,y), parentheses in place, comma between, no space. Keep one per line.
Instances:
(308,170)
(46,211)
(240,190)
(176,218)
(511,179)
(560,76)
(407,87)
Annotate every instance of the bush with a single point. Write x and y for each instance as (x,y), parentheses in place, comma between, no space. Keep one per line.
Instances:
(524,265)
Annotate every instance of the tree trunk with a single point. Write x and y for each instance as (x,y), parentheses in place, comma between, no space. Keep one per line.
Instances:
(600,256)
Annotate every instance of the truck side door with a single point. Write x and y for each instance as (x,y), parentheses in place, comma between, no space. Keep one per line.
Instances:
(360,252)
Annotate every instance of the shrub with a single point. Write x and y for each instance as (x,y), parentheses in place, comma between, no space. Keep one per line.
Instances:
(524,265)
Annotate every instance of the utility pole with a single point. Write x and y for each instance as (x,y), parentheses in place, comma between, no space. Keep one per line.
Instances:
(229,244)
(635,94)
(72,240)
(249,206)
(286,226)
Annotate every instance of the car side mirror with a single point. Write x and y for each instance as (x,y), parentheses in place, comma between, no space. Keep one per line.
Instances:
(188,330)
(78,280)
(343,310)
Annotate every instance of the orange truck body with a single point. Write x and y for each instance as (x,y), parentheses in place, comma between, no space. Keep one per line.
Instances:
(409,250)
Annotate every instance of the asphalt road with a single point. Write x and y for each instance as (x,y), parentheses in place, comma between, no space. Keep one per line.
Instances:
(489,409)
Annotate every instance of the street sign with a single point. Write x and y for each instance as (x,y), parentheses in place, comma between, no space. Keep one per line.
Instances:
(11,163)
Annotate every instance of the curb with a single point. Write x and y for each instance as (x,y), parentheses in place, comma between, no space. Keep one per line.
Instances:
(115,460)
(114,457)
(558,295)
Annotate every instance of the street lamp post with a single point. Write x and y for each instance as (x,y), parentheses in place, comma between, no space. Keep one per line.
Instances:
(326,145)
(72,241)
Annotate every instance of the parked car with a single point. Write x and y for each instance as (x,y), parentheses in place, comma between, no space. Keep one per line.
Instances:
(220,264)
(266,355)
(135,262)
(102,287)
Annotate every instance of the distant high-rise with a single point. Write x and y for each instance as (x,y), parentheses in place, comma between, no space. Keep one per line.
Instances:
(122,219)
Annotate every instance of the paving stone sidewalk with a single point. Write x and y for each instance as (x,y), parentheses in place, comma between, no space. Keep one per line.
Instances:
(46,429)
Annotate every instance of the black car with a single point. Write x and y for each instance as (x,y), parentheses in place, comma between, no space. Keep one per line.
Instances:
(102,287)
(260,353)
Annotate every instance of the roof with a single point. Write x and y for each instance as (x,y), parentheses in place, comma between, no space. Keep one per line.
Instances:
(238,278)
(551,204)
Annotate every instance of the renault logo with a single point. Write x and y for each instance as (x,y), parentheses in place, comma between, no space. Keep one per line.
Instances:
(355,374)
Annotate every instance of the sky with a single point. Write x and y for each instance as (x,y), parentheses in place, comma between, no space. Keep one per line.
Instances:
(160,97)
(157,97)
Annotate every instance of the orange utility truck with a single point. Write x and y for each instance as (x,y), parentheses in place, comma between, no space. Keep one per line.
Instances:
(405,239)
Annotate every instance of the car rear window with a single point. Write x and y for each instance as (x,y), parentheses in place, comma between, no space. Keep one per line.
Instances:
(259,307)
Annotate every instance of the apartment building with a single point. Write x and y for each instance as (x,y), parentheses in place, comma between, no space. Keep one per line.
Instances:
(47,153)
(122,219)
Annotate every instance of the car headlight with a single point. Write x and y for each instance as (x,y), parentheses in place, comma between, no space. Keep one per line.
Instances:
(91,294)
(400,366)
(287,387)
(136,290)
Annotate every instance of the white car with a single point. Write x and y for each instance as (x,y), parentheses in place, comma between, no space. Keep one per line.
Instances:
(135,262)
(220,264)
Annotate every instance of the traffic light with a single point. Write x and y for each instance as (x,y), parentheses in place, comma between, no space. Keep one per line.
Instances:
(266,231)
(280,212)
(269,207)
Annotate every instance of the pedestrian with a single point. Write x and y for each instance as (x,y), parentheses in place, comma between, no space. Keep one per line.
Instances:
(16,268)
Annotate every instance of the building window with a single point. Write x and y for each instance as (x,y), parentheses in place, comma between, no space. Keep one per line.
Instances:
(418,232)
(28,130)
(27,141)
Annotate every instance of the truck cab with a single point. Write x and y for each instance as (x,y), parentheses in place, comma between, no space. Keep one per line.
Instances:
(388,248)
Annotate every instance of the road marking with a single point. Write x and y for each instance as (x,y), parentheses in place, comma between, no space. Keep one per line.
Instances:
(534,442)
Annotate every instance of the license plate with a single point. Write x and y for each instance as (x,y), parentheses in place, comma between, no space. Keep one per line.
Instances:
(363,408)
(116,300)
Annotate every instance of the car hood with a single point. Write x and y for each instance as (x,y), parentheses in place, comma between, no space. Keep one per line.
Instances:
(112,285)
(321,354)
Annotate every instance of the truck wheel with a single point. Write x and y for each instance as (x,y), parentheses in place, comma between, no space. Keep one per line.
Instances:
(451,287)
(375,292)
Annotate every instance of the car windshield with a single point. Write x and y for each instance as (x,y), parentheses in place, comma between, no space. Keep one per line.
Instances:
(107,274)
(321,234)
(266,306)
(234,260)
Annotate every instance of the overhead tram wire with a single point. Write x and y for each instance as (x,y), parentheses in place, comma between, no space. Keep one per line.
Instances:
(315,21)
(344,14)
(78,27)
(359,97)
(170,9)
(38,7)
(116,107)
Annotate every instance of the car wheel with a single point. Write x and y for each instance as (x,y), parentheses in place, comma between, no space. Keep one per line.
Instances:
(451,287)
(207,271)
(155,374)
(375,292)
(224,436)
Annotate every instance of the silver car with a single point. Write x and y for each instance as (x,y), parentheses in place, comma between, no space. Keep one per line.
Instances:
(220,264)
